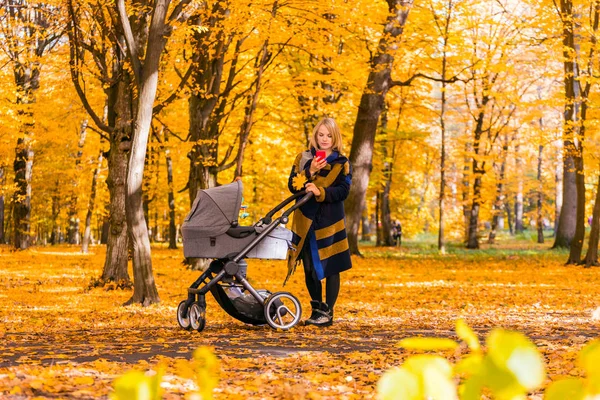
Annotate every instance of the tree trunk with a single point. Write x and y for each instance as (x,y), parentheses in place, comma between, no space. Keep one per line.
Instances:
(519,226)
(442,195)
(558,180)
(22,198)
(144,287)
(115,263)
(27,80)
(591,257)
(568,214)
(55,234)
(498,208)
(579,236)
(442,198)
(578,142)
(473,242)
(206,108)
(172,229)
(468,161)
(509,219)
(369,110)
(377,219)
(421,208)
(88,218)
(540,199)
(119,108)
(386,218)
(73,230)
(116,122)
(28,33)
(2,183)
(366,228)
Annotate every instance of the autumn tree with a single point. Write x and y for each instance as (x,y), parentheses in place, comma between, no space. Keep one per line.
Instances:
(492,93)
(579,39)
(30,30)
(94,35)
(379,82)
(108,84)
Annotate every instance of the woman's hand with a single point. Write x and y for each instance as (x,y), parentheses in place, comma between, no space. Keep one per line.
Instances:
(310,187)
(317,164)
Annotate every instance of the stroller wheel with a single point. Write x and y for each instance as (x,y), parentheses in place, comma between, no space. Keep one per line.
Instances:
(197,317)
(282,310)
(184,322)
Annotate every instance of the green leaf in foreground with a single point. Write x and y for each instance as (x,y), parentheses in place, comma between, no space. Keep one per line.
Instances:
(399,384)
(421,377)
(466,334)
(514,352)
(135,385)
(570,388)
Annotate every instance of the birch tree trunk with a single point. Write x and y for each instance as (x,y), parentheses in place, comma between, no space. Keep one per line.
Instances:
(144,287)
(558,195)
(540,197)
(87,233)
(519,226)
(73,229)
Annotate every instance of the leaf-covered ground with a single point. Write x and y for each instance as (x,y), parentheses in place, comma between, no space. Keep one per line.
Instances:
(61,340)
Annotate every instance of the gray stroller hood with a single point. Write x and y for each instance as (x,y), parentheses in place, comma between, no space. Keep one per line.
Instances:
(210,229)
(214,211)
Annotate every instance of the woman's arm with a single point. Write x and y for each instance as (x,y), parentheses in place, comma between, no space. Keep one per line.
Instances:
(298,178)
(339,191)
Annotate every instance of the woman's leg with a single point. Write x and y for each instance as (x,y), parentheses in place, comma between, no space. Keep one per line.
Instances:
(332,289)
(312,283)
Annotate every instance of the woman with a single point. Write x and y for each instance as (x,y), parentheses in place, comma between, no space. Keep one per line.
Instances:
(319,225)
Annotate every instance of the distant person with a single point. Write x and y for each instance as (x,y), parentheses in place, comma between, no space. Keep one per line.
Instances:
(320,239)
(397,233)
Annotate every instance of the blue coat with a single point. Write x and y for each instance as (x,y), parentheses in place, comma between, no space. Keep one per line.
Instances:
(321,220)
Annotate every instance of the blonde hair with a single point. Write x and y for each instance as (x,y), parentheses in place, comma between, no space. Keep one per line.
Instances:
(333,129)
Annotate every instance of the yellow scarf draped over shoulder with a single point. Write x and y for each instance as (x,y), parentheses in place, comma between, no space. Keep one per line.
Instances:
(304,216)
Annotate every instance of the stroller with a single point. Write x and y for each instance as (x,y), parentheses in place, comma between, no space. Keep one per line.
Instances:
(211,230)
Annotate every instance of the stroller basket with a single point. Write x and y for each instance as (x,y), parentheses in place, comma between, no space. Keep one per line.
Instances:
(211,230)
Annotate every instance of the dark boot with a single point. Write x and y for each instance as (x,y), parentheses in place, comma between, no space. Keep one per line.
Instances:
(315,305)
(324,317)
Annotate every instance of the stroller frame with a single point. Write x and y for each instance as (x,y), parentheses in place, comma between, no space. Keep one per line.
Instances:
(191,313)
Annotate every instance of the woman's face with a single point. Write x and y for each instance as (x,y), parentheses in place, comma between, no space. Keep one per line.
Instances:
(324,138)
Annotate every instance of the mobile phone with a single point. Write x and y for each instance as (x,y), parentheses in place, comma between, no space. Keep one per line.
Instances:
(321,154)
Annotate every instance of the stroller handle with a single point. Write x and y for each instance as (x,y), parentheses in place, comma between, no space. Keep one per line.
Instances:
(298,204)
(269,217)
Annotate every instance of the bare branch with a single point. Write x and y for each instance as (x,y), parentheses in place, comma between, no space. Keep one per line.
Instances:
(178,10)
(74,68)
(171,132)
(131,45)
(158,108)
